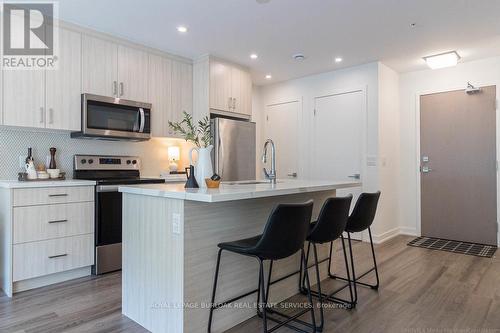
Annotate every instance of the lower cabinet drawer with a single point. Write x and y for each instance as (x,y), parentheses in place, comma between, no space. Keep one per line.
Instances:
(36,223)
(52,195)
(52,256)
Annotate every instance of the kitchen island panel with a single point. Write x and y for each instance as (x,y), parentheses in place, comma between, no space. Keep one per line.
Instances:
(152,272)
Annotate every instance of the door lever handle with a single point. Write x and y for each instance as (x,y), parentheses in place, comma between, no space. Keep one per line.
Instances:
(293,174)
(355,176)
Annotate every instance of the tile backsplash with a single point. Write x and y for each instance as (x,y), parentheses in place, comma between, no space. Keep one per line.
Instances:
(14,142)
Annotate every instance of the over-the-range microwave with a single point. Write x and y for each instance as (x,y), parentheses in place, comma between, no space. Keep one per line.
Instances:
(112,118)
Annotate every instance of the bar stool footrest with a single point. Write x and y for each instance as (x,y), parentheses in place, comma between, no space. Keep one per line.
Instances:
(289,319)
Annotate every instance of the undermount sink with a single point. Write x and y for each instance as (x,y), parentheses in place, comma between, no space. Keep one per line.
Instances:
(249,182)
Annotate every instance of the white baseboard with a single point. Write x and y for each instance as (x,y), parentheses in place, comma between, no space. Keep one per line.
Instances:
(51,279)
(408,231)
(384,237)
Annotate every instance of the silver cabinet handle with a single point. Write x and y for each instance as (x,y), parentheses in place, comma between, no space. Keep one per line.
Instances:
(58,256)
(41,115)
(51,115)
(58,221)
(58,195)
(293,174)
(121,88)
(115,88)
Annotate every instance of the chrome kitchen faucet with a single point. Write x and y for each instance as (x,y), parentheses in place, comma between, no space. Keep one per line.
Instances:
(271,175)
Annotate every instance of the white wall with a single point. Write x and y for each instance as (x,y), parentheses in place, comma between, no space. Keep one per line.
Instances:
(382,115)
(479,73)
(389,153)
(307,88)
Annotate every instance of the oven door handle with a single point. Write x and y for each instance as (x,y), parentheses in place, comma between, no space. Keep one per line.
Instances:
(106,188)
(143,120)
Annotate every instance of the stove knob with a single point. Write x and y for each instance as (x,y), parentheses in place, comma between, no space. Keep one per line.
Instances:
(129,161)
(91,161)
(134,162)
(83,161)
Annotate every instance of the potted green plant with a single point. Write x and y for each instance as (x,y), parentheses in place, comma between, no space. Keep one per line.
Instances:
(200,136)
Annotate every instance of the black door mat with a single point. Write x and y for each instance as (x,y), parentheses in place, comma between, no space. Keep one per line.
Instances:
(473,249)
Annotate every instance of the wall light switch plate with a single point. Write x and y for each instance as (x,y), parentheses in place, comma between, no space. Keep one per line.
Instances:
(176,223)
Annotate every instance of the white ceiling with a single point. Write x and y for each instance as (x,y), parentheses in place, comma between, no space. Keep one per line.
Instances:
(359,31)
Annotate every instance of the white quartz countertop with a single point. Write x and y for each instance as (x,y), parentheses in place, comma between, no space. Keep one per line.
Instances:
(236,191)
(45,183)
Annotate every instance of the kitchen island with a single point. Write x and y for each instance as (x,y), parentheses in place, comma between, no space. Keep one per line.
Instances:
(170,237)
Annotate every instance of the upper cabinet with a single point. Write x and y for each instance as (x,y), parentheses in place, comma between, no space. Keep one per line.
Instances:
(170,92)
(47,98)
(114,70)
(87,63)
(221,87)
(230,88)
(63,86)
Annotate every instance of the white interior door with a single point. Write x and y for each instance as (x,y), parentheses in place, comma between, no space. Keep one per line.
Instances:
(338,139)
(282,128)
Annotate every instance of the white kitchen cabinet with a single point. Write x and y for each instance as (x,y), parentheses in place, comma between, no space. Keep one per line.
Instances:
(114,70)
(230,88)
(47,98)
(182,90)
(220,86)
(63,85)
(132,74)
(47,235)
(100,66)
(170,93)
(241,83)
(160,94)
(24,98)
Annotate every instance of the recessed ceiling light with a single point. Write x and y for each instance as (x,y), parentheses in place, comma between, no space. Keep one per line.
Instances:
(338,59)
(182,29)
(299,56)
(442,60)
(269,76)
(254,56)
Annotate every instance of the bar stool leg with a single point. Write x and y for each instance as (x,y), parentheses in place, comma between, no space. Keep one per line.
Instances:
(352,303)
(212,303)
(264,296)
(309,295)
(320,294)
(374,261)
(353,271)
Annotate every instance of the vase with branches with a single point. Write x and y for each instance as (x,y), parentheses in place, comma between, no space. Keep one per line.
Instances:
(199,135)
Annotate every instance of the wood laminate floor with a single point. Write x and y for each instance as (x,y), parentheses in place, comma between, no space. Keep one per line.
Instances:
(422,291)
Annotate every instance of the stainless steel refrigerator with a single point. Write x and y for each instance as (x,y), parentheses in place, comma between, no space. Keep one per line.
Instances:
(234,149)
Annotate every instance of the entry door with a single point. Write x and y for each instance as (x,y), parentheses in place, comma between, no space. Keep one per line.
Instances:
(338,140)
(458,166)
(282,128)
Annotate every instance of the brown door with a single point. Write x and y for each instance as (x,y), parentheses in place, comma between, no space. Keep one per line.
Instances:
(458,166)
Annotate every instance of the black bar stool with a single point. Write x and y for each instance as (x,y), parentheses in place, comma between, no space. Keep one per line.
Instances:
(360,220)
(330,225)
(284,235)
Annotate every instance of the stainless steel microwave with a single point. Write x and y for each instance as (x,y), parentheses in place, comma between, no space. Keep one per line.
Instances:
(112,118)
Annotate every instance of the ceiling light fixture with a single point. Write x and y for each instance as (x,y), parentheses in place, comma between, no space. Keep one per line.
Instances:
(254,56)
(269,76)
(442,60)
(299,56)
(182,29)
(338,59)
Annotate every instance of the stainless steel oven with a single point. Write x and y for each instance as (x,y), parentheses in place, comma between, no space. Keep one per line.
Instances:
(114,119)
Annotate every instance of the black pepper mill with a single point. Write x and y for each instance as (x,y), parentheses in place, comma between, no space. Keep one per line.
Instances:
(191,181)
(52,164)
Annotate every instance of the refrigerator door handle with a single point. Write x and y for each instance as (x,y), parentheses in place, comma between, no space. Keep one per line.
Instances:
(220,158)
